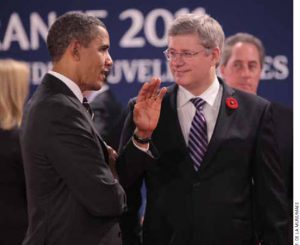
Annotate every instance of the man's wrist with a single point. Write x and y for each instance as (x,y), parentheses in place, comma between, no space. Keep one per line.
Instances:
(141,140)
(142,147)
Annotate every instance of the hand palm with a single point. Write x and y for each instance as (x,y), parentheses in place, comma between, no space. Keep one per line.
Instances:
(147,108)
(146,114)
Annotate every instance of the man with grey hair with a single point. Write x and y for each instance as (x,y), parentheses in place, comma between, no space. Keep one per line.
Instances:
(209,143)
(241,66)
(242,61)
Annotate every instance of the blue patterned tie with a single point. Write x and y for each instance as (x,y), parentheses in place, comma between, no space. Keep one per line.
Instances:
(197,142)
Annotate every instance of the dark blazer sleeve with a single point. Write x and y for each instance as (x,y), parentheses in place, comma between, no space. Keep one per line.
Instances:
(79,160)
(131,166)
(283,118)
(269,185)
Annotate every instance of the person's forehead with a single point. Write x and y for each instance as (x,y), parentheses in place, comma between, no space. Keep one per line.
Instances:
(103,31)
(245,50)
(184,40)
(243,46)
(190,36)
(102,35)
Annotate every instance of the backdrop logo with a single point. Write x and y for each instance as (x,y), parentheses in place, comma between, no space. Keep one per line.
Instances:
(137,41)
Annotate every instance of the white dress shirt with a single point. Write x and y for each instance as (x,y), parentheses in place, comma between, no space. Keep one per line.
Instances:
(186,109)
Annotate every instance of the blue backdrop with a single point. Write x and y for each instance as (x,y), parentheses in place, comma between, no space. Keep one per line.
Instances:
(138,37)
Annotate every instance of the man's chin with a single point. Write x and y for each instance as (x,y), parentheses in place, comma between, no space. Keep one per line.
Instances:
(246,88)
(97,86)
(180,81)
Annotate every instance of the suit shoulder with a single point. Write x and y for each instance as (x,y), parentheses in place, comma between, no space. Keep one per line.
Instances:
(50,105)
(281,109)
(283,115)
(251,99)
(132,101)
(50,100)
(106,101)
(103,97)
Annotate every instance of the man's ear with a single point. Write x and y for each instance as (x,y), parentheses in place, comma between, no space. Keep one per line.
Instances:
(74,49)
(222,70)
(216,56)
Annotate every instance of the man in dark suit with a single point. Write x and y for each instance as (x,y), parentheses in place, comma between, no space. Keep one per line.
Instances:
(241,66)
(199,182)
(108,117)
(73,194)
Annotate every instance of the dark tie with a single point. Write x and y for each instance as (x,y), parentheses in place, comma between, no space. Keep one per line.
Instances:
(87,107)
(197,142)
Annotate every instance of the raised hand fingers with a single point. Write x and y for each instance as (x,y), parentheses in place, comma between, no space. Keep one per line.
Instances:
(156,93)
(149,90)
(144,92)
(154,85)
(161,94)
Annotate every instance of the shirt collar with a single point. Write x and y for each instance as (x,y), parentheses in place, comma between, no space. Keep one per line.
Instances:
(209,95)
(69,83)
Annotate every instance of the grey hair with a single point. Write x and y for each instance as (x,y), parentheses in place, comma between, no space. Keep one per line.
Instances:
(68,27)
(210,32)
(243,38)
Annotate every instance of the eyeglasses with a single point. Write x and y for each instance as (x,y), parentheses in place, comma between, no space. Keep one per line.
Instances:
(171,55)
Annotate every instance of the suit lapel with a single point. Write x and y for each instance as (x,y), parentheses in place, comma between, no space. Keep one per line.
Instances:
(224,121)
(88,118)
(58,86)
(186,166)
(177,128)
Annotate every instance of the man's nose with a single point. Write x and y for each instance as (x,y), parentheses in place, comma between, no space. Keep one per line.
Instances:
(109,60)
(177,59)
(245,72)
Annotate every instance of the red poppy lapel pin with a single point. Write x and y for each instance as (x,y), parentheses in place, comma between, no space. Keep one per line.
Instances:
(232,103)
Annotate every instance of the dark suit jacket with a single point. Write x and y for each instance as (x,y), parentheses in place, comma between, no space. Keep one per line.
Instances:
(13,206)
(283,119)
(72,195)
(108,117)
(211,206)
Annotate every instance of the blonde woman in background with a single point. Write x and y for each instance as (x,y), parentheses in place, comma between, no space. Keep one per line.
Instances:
(14,77)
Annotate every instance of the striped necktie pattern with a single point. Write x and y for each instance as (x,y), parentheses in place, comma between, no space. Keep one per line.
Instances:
(197,142)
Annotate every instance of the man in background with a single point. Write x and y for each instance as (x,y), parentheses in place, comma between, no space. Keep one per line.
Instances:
(241,66)
(108,117)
